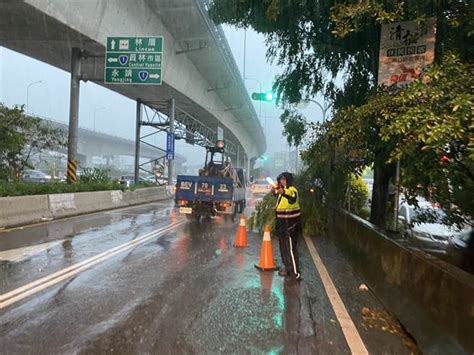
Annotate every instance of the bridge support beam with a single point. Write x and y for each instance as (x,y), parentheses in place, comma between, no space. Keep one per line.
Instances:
(248,167)
(137,140)
(238,157)
(73,134)
(171,130)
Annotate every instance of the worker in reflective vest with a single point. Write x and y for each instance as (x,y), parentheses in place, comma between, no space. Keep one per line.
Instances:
(288,224)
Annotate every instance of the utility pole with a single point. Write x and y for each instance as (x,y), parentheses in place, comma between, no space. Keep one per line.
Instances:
(296,159)
(259,102)
(73,135)
(137,140)
(171,130)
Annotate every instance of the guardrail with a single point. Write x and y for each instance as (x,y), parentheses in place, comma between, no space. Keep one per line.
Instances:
(23,210)
(432,299)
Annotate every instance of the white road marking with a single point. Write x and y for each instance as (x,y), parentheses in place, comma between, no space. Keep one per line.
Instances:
(22,292)
(349,330)
(20,254)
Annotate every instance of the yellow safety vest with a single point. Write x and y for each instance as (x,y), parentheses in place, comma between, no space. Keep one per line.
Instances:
(285,209)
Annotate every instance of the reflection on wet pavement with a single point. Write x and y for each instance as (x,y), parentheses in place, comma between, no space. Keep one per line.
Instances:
(187,291)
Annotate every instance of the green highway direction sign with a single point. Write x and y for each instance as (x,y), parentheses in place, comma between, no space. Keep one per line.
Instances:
(133,60)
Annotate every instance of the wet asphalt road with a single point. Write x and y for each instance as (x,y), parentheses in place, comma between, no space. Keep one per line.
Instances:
(183,290)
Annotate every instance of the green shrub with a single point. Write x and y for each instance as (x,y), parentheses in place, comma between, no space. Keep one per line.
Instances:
(142,184)
(264,214)
(359,194)
(314,209)
(94,176)
(28,188)
(364,213)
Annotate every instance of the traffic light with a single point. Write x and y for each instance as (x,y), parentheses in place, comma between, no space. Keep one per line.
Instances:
(265,158)
(262,96)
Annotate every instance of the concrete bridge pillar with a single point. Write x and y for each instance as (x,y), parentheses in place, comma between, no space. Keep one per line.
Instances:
(85,161)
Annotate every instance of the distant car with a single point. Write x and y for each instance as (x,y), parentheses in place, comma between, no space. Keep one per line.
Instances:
(61,177)
(149,179)
(154,180)
(35,176)
(370,185)
(260,187)
(433,236)
(127,180)
(460,251)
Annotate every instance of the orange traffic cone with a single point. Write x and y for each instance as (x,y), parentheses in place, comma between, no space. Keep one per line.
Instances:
(241,237)
(267,263)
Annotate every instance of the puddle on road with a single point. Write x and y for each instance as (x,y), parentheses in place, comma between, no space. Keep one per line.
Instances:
(239,320)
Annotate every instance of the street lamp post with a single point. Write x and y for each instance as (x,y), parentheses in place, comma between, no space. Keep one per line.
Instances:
(28,94)
(324,108)
(245,53)
(95,111)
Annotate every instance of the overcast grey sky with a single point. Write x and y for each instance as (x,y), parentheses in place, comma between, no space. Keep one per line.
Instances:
(50,97)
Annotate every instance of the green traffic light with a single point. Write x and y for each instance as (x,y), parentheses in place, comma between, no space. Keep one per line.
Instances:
(262,96)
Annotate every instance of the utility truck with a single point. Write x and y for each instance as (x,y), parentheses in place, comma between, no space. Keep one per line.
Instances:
(219,189)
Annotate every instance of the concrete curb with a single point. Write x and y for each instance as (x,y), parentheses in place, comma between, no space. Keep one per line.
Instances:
(432,299)
(23,210)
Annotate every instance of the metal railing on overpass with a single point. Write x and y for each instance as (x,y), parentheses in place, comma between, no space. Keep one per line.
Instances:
(220,38)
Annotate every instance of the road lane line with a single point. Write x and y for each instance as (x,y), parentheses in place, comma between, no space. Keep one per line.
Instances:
(349,330)
(50,280)
(23,253)
(72,267)
(76,268)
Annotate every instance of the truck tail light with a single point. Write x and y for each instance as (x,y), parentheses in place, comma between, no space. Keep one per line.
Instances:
(182,202)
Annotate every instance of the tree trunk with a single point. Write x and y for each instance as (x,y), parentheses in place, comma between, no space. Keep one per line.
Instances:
(378,211)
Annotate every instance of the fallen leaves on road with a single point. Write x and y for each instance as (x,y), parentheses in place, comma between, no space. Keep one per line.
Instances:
(381,319)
